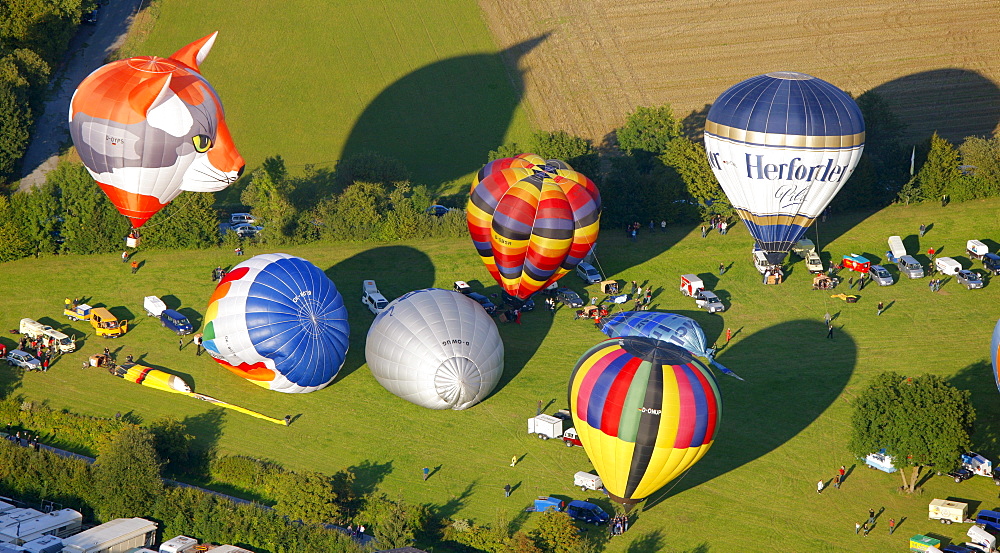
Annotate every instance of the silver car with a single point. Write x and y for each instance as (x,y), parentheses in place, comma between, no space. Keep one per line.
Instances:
(709,302)
(588,273)
(880,275)
(969,279)
(23,359)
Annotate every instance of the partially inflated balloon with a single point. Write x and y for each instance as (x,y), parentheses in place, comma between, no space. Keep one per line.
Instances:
(782,145)
(668,327)
(435,348)
(995,354)
(278,321)
(645,411)
(148,128)
(532,220)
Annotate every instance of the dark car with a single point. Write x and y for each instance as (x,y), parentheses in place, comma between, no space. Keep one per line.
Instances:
(518,303)
(587,512)
(176,322)
(961,474)
(483,301)
(955,548)
(437,210)
(568,297)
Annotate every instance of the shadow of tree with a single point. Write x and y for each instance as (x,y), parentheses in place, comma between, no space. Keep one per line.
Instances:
(207,430)
(761,417)
(368,475)
(454,504)
(443,118)
(396,270)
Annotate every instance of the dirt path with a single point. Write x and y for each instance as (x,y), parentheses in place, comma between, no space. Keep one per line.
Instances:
(87,51)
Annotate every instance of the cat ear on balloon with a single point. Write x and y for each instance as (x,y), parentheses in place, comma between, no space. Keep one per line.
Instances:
(193,54)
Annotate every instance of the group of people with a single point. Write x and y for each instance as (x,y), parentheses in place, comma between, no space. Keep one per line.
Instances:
(44,348)
(618,525)
(356,533)
(24,439)
(870,523)
(218,273)
(935,284)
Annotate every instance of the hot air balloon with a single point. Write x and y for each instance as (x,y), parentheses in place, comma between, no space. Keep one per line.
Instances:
(279,322)
(995,354)
(532,221)
(668,327)
(781,145)
(435,348)
(148,128)
(645,411)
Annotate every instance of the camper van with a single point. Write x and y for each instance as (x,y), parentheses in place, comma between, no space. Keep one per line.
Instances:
(36,329)
(947,265)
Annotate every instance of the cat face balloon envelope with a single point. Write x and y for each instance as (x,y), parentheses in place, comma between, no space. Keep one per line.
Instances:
(148,128)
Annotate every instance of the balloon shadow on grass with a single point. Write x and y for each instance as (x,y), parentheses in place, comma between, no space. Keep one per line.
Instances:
(978,379)
(953,102)
(783,394)
(395,269)
(442,119)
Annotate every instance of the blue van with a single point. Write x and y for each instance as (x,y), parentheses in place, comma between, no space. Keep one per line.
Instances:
(587,512)
(176,322)
(989,520)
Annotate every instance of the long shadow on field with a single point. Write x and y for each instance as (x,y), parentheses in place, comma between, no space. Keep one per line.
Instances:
(793,373)
(953,102)
(395,269)
(442,119)
(978,379)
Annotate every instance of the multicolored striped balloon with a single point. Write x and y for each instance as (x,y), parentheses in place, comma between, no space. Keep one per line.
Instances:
(532,220)
(278,321)
(645,410)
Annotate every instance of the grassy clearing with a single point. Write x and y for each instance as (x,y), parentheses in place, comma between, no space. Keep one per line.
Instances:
(316,81)
(783,429)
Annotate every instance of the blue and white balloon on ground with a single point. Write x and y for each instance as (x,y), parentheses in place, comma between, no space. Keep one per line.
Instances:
(436,348)
(782,145)
(667,327)
(278,321)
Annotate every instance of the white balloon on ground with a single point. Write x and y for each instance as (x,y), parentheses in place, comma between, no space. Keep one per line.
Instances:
(436,348)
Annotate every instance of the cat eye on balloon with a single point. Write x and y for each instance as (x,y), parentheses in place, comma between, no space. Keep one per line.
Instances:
(202,142)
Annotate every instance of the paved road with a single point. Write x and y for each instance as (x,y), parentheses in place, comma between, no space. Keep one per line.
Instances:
(88,50)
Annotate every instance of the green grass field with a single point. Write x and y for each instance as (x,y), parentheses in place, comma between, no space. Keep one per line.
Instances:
(783,429)
(317,81)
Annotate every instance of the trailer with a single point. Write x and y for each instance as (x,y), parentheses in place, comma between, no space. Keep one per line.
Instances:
(587,481)
(948,511)
(857,263)
(976,249)
(116,536)
(18,526)
(546,426)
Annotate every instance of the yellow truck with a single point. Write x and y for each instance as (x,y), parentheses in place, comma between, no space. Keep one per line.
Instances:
(104,323)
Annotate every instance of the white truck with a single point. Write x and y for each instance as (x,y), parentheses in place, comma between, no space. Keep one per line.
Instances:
(554,426)
(587,481)
(372,298)
(36,329)
(807,250)
(906,263)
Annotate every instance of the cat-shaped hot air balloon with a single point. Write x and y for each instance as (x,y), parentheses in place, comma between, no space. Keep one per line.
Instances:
(149,128)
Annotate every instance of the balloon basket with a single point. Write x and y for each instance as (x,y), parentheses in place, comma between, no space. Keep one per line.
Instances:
(132,242)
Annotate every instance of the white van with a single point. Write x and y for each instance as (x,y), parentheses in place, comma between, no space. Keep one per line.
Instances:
(947,265)
(36,329)
(238,218)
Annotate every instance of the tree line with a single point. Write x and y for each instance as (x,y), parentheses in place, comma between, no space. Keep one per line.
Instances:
(655,169)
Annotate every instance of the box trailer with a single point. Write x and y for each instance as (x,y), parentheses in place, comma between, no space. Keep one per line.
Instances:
(546,426)
(116,536)
(44,544)
(948,511)
(18,526)
(179,544)
(976,249)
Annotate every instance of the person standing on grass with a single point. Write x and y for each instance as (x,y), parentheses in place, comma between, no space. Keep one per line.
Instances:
(506,490)
(865,528)
(857,528)
(881,307)
(892,522)
(842,472)
(871,516)
(135,266)
(427,472)
(819,487)
(513,460)
(829,331)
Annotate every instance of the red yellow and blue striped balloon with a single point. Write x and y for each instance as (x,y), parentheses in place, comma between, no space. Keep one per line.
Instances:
(532,220)
(645,411)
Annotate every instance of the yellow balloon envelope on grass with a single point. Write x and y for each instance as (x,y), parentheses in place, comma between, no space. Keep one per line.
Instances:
(645,411)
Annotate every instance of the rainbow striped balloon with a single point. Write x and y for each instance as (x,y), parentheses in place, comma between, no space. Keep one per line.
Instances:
(645,410)
(532,220)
